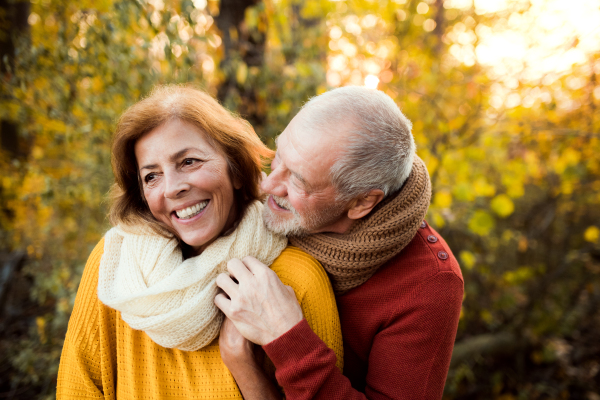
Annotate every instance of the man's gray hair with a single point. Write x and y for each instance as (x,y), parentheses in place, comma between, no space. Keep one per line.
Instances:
(380,148)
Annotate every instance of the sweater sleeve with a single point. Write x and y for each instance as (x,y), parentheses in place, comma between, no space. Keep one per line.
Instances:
(409,357)
(85,370)
(313,289)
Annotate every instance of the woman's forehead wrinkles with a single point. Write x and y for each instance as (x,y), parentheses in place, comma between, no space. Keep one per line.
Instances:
(151,148)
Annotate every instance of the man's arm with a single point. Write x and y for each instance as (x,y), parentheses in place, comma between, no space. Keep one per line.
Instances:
(409,358)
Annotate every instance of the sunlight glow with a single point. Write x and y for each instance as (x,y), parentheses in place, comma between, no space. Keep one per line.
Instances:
(549,38)
(371,81)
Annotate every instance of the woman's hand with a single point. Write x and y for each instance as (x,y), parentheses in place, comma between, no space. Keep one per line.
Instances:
(238,355)
(235,349)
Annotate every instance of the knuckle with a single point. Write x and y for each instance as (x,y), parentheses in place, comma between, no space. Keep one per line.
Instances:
(270,277)
(235,311)
(231,263)
(260,273)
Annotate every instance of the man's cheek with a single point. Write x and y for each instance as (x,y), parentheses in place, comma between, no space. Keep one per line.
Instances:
(298,204)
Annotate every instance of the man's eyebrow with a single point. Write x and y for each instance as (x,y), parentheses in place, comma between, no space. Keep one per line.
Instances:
(300,178)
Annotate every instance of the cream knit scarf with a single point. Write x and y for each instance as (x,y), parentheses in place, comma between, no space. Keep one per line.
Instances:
(352,258)
(143,275)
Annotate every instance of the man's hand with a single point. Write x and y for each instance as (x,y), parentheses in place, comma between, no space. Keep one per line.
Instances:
(260,306)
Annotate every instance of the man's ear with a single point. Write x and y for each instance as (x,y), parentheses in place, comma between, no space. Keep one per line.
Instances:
(362,205)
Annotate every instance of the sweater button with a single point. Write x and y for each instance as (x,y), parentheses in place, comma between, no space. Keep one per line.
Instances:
(423,224)
(432,238)
(443,255)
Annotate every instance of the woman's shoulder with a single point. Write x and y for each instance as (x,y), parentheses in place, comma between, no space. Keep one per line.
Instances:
(95,255)
(92,266)
(294,259)
(300,270)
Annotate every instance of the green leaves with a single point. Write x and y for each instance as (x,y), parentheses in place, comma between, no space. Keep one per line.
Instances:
(592,234)
(481,223)
(502,205)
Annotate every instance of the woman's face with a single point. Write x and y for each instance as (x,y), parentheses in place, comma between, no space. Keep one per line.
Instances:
(186,182)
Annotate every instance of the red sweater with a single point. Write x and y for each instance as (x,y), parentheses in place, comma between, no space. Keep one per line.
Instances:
(398,328)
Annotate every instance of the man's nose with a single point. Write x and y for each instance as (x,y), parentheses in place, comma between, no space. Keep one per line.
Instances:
(175,185)
(273,184)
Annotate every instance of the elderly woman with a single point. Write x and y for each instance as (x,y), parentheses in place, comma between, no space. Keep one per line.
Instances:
(185,201)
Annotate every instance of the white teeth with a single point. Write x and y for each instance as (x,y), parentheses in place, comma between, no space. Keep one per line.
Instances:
(189,212)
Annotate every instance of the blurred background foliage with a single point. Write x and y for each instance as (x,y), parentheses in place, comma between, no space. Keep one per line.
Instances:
(503,95)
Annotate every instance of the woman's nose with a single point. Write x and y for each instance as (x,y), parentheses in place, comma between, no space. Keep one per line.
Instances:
(175,185)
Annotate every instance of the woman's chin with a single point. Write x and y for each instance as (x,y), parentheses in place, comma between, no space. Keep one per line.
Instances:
(197,242)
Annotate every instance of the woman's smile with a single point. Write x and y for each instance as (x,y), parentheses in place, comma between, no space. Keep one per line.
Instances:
(189,212)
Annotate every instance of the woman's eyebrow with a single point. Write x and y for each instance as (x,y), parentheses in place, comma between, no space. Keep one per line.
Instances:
(149,166)
(174,157)
(180,153)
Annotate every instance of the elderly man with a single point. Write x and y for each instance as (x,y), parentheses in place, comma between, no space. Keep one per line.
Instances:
(347,187)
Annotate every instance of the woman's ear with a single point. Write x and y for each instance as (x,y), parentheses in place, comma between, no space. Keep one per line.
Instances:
(237,183)
(364,204)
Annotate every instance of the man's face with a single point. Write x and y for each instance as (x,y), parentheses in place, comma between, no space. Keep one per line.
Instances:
(301,199)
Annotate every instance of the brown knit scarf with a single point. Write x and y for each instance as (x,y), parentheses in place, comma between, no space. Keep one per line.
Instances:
(353,257)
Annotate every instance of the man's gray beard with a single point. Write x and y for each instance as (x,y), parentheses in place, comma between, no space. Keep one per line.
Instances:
(298,225)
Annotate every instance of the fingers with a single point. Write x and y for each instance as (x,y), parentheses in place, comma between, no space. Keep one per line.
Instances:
(239,270)
(223,303)
(225,282)
(255,266)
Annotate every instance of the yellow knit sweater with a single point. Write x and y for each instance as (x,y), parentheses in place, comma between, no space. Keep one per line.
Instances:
(103,358)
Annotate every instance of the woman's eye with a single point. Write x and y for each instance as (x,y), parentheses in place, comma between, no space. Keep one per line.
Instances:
(148,178)
(190,161)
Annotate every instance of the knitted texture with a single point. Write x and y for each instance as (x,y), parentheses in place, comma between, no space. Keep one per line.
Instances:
(103,358)
(143,275)
(398,327)
(353,257)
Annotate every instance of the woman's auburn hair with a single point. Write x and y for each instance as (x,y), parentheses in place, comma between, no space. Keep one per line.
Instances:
(231,135)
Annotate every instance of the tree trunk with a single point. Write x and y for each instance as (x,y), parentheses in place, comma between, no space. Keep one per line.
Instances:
(243,47)
(13,17)
(440,23)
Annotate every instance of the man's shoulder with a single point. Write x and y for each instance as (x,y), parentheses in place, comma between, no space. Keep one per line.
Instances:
(429,252)
(425,257)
